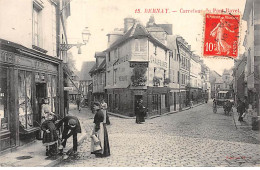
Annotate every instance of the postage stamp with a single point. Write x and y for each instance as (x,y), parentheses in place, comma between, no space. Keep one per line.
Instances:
(221,35)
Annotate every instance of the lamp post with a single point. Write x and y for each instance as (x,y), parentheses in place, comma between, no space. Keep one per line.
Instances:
(85,37)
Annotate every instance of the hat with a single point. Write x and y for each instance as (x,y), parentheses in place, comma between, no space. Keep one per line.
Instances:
(72,122)
(97,104)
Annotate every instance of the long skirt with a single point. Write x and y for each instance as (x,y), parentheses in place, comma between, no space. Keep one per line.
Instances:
(103,137)
(139,118)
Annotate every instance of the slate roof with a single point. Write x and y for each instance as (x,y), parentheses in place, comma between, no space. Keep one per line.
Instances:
(96,68)
(137,30)
(171,42)
(100,54)
(155,29)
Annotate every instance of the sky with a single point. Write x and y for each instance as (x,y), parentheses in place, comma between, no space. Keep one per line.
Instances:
(102,16)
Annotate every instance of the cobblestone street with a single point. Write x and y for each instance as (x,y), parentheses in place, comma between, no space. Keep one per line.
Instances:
(195,137)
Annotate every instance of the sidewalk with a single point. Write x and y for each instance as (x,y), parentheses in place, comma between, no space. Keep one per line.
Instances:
(154,116)
(33,154)
(245,126)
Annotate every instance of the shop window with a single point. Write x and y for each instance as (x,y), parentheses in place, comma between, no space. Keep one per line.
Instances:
(54,94)
(116,102)
(3,100)
(25,99)
(49,90)
(163,101)
(155,102)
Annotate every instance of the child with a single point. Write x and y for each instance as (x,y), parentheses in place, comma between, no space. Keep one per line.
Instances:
(50,136)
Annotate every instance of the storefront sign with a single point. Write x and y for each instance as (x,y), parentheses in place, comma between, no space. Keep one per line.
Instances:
(138,64)
(13,58)
(138,92)
(8,57)
(158,62)
(68,88)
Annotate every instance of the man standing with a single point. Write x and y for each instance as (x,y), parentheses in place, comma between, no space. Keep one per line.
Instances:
(140,112)
(78,103)
(71,128)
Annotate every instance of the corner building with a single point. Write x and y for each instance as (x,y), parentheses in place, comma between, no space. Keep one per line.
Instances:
(30,68)
(137,65)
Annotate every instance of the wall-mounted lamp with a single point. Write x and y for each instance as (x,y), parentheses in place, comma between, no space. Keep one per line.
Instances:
(85,37)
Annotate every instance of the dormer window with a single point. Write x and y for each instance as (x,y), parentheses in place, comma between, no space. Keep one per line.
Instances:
(140,44)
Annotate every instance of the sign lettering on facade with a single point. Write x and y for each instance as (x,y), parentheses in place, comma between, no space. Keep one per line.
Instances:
(68,88)
(158,62)
(8,57)
(138,64)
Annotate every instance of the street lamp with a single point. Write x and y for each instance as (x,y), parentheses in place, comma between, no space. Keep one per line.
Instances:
(85,37)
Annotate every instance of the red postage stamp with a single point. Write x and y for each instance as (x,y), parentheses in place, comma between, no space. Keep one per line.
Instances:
(221,35)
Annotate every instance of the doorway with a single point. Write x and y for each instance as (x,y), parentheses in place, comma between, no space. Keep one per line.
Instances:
(136,99)
(40,95)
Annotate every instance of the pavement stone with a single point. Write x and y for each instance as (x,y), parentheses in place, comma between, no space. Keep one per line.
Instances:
(194,137)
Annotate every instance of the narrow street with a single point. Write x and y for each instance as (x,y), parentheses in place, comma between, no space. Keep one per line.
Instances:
(195,137)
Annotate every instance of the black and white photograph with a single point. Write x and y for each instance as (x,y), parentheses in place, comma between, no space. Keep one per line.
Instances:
(129,83)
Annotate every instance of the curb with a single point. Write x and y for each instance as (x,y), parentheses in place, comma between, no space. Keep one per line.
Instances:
(164,114)
(60,158)
(121,116)
(155,116)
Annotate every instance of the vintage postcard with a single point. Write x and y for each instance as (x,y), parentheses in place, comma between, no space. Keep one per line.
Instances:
(129,83)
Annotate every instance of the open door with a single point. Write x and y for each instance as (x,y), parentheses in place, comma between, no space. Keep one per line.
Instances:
(40,95)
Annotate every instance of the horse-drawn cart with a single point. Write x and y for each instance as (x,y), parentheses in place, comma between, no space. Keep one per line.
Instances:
(223,100)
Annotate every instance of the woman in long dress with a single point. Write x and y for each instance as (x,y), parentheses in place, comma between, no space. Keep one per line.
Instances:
(103,105)
(100,131)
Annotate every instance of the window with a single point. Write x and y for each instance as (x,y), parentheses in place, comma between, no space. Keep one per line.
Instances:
(25,99)
(116,102)
(173,77)
(115,76)
(36,26)
(136,45)
(109,56)
(54,34)
(140,44)
(178,77)
(163,101)
(164,75)
(175,55)
(155,50)
(3,100)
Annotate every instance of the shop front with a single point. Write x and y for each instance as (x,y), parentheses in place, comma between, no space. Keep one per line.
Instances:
(27,77)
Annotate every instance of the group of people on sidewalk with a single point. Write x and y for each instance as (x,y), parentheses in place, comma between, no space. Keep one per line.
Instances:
(50,130)
(50,127)
(99,136)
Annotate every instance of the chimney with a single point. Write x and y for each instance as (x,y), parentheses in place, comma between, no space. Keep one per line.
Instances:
(128,23)
(189,47)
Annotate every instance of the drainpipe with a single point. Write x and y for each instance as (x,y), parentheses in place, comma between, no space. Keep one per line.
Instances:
(178,56)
